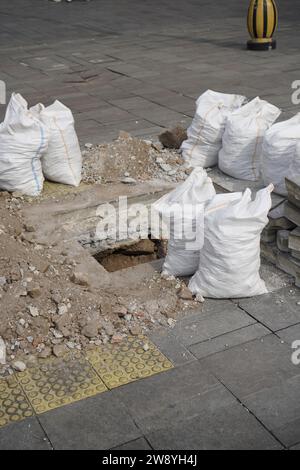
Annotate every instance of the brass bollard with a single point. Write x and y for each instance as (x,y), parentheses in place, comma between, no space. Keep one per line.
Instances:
(262,23)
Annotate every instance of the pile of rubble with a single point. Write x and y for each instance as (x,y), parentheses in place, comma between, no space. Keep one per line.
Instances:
(46,307)
(281,239)
(130,160)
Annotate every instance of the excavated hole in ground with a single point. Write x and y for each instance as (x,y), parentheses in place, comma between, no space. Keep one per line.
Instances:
(142,252)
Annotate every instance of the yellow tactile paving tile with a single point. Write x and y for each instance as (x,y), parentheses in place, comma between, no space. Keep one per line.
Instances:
(14,405)
(128,361)
(58,382)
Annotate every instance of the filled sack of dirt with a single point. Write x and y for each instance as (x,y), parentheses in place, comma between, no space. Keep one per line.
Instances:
(241,151)
(182,211)
(229,261)
(281,153)
(23,141)
(62,162)
(201,149)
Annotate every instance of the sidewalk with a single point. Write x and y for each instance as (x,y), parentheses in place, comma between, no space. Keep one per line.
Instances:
(140,69)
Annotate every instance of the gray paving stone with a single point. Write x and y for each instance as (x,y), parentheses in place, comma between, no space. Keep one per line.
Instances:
(199,405)
(98,423)
(297,447)
(252,367)
(211,325)
(24,435)
(230,427)
(289,335)
(229,340)
(163,390)
(138,444)
(279,409)
(277,310)
(172,348)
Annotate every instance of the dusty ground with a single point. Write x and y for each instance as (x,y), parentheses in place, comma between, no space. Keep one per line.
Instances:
(43,311)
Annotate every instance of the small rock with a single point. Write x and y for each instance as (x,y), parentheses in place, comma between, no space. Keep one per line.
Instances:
(59,350)
(57,334)
(19,366)
(200,299)
(46,352)
(128,180)
(34,312)
(29,228)
(146,347)
(88,145)
(185,294)
(80,278)
(2,352)
(90,330)
(62,309)
(120,310)
(135,330)
(116,338)
(34,291)
(3,281)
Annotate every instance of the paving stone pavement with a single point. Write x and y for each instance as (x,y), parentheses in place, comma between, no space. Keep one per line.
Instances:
(140,69)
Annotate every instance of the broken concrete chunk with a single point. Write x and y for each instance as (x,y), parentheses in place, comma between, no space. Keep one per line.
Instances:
(34,291)
(172,139)
(277,219)
(19,366)
(90,330)
(80,278)
(128,180)
(185,294)
(59,350)
(34,312)
(3,281)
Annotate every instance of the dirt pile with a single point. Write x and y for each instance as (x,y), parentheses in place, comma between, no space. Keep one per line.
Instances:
(130,160)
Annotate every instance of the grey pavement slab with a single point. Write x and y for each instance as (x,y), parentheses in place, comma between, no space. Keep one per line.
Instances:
(276,311)
(210,325)
(297,447)
(24,435)
(171,347)
(155,393)
(190,407)
(138,444)
(98,423)
(249,368)
(289,335)
(278,408)
(228,340)
(229,427)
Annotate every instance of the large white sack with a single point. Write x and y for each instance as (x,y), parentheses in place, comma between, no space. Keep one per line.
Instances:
(281,153)
(23,140)
(62,161)
(205,133)
(184,207)
(230,258)
(240,155)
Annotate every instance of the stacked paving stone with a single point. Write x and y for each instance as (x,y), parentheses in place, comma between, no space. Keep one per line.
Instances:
(281,238)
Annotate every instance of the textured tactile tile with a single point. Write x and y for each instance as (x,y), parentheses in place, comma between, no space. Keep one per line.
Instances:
(58,382)
(14,405)
(133,359)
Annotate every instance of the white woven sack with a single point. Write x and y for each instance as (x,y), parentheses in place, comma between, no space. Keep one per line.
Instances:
(186,205)
(23,140)
(281,153)
(241,151)
(205,133)
(230,258)
(62,162)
